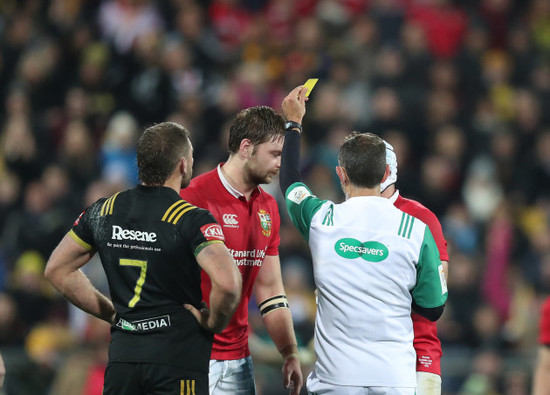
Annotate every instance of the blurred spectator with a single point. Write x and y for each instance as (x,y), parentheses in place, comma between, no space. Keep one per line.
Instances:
(118,153)
(444,25)
(124,21)
(37,225)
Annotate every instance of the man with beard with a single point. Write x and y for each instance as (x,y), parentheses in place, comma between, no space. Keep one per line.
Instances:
(250,220)
(150,241)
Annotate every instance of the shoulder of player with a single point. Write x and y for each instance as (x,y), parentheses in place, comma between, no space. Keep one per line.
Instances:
(417,210)
(105,205)
(198,185)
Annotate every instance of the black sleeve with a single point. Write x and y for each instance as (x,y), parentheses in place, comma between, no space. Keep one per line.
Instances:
(290,161)
(432,314)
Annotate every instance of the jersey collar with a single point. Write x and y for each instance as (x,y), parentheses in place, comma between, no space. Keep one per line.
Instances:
(230,188)
(394,197)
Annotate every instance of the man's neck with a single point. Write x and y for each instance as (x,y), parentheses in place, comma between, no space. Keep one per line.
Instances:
(388,192)
(172,183)
(353,191)
(234,174)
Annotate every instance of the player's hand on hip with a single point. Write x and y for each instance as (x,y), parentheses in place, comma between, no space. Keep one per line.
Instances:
(201,315)
(294,105)
(292,375)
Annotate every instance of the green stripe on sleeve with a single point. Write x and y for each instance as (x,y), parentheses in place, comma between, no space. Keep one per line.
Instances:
(202,246)
(401,224)
(411,228)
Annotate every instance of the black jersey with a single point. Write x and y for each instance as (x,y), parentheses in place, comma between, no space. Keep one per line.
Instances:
(147,239)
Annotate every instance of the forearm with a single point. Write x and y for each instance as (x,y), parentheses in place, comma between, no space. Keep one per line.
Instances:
(281,330)
(541,377)
(223,304)
(290,161)
(78,289)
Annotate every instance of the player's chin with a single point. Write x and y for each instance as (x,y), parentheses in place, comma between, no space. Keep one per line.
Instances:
(268,178)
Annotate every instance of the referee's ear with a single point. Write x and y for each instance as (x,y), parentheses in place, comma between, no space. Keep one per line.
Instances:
(342,175)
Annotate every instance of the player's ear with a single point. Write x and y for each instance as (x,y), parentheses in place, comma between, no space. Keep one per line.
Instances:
(386,174)
(181,166)
(246,148)
(342,175)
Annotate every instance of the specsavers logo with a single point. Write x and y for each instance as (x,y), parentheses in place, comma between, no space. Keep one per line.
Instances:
(265,222)
(370,251)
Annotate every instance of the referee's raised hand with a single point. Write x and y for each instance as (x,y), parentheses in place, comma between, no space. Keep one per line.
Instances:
(294,104)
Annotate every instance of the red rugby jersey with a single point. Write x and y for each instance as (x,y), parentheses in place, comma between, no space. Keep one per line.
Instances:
(426,343)
(544,323)
(251,230)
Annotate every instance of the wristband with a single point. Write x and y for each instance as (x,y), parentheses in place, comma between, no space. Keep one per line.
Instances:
(292,355)
(293,125)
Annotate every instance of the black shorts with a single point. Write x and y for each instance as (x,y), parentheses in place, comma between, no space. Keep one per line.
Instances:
(128,378)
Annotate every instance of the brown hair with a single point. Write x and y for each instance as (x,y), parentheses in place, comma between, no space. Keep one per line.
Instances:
(258,124)
(159,149)
(363,156)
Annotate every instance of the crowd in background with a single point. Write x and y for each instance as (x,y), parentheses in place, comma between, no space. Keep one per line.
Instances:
(461,89)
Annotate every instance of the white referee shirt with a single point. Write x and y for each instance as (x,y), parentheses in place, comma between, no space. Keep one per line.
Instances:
(370,261)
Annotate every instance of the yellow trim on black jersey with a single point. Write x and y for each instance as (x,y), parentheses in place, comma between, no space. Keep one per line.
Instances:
(79,241)
(167,213)
(202,246)
(183,212)
(108,205)
(176,211)
(173,213)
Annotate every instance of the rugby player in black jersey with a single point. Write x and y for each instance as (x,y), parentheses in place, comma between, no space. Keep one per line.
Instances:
(152,245)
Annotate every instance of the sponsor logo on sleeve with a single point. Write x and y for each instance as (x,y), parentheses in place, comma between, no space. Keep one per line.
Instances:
(78,219)
(298,194)
(442,280)
(370,251)
(212,232)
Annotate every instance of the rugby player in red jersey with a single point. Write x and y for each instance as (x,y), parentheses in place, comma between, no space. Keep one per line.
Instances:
(426,343)
(250,221)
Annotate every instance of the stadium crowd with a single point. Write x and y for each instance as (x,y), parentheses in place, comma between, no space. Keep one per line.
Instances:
(461,89)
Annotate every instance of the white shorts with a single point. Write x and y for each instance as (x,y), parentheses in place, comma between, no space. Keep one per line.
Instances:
(318,387)
(232,377)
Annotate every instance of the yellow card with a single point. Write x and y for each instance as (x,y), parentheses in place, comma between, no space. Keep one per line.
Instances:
(310,84)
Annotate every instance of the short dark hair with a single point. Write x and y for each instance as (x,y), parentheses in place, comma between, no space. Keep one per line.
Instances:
(159,149)
(259,124)
(363,156)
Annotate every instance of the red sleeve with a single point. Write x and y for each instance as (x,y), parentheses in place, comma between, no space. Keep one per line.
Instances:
(425,215)
(437,232)
(544,323)
(273,248)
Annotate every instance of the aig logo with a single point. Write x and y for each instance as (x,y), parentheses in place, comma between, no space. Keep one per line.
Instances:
(230,219)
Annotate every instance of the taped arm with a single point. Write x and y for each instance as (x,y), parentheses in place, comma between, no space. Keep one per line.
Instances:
(277,318)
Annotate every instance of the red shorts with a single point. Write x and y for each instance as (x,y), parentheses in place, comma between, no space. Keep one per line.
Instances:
(426,345)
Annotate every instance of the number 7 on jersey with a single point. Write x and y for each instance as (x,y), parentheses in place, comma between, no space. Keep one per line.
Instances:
(141,279)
